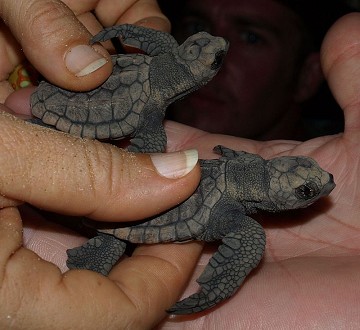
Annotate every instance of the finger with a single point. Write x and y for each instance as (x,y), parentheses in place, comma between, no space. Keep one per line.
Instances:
(56,43)
(19,101)
(65,174)
(110,12)
(10,236)
(341,65)
(140,12)
(10,56)
(154,278)
(5,91)
(10,53)
(146,285)
(7,202)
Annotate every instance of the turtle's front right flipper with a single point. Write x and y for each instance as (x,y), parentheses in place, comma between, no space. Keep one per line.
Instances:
(239,253)
(98,254)
(152,42)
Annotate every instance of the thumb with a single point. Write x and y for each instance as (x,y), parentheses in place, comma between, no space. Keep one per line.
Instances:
(69,175)
(341,64)
(56,43)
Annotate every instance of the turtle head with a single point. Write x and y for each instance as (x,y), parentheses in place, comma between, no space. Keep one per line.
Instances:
(203,54)
(296,182)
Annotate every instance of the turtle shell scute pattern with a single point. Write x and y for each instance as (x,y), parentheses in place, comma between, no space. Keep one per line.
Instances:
(91,114)
(186,221)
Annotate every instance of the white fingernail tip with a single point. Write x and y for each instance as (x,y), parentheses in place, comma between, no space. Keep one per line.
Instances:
(175,165)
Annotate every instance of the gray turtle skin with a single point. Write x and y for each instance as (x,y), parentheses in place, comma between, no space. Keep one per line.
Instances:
(231,189)
(133,100)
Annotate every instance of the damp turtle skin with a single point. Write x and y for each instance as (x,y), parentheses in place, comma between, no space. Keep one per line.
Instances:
(133,100)
(231,189)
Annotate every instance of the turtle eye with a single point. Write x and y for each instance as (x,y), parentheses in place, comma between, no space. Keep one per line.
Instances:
(307,191)
(219,58)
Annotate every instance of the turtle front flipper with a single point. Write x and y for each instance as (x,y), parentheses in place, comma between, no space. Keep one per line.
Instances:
(239,253)
(98,254)
(152,42)
(228,153)
(151,136)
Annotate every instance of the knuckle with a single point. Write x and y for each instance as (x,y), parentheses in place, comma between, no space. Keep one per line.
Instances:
(45,20)
(99,169)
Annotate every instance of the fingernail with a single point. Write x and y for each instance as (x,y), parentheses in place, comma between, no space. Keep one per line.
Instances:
(83,60)
(176,164)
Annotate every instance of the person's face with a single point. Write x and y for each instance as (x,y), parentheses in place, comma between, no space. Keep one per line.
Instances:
(256,85)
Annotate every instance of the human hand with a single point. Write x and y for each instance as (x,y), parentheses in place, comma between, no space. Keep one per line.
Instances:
(76,177)
(311,268)
(55,39)
(311,264)
(69,175)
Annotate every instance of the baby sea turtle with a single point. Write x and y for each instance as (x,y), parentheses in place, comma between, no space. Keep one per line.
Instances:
(231,189)
(133,100)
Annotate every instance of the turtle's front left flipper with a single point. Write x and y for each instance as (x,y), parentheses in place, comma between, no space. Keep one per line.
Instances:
(239,253)
(98,254)
(152,42)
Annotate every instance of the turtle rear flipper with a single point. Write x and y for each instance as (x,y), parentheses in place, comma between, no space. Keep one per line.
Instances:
(239,253)
(98,254)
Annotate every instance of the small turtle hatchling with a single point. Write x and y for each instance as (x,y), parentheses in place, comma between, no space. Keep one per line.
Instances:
(133,100)
(231,189)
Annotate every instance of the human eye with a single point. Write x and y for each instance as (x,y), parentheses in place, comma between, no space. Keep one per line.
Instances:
(250,37)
